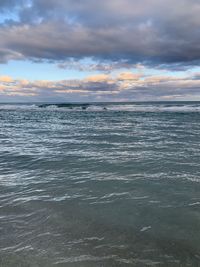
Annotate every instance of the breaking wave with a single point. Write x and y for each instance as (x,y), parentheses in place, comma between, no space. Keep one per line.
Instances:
(181,107)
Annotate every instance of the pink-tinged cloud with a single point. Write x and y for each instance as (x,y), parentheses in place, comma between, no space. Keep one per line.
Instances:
(125,85)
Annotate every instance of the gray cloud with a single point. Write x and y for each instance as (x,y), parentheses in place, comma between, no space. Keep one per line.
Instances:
(104,66)
(157,32)
(10,4)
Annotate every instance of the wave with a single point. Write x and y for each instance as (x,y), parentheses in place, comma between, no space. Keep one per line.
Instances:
(67,105)
(132,107)
(78,107)
(17,106)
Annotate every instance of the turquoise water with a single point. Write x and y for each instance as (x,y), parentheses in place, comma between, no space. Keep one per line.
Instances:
(100,185)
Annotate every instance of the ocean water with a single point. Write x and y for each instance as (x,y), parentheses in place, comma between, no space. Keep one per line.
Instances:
(99,185)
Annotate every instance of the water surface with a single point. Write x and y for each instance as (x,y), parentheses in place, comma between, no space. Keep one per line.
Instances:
(100,185)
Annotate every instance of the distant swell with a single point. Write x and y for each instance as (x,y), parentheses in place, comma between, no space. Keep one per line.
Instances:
(134,107)
(180,107)
(65,105)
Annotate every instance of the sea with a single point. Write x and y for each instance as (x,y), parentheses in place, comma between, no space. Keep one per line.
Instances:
(100,184)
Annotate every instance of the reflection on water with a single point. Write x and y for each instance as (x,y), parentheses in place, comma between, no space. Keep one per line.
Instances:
(100,187)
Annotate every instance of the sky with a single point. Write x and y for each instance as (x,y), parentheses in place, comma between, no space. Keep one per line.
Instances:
(95,51)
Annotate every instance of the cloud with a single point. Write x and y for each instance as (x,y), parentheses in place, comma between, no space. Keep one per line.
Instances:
(97,78)
(154,32)
(10,4)
(102,66)
(126,85)
(7,55)
(6,79)
(129,76)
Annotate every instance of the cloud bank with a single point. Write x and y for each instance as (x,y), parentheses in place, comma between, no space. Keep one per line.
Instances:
(126,86)
(153,32)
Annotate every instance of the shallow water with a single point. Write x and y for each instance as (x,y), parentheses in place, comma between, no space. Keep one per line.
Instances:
(100,185)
